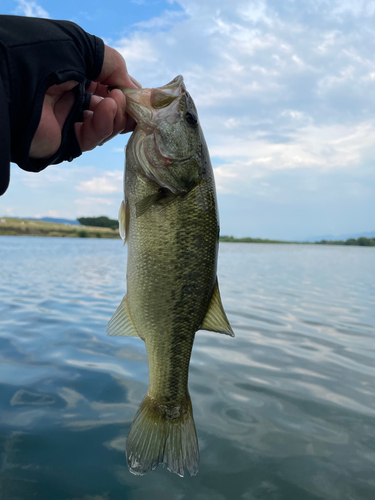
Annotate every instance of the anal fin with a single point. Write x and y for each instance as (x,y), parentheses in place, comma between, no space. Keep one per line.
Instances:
(216,320)
(121,323)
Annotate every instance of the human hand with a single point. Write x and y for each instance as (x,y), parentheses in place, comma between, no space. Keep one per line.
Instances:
(105,118)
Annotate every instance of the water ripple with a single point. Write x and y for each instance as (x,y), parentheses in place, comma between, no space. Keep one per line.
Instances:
(283,410)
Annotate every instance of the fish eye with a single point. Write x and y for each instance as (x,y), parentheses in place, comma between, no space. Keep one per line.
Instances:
(191,118)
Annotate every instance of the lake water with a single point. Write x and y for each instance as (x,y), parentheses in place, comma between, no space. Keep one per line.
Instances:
(284,411)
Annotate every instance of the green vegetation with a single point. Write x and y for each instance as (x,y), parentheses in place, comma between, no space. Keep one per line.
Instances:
(83,233)
(362,241)
(231,239)
(24,227)
(102,221)
(103,227)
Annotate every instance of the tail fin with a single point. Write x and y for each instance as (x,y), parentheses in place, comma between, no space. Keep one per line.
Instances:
(161,435)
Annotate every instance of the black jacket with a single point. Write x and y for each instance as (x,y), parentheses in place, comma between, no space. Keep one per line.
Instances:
(35,54)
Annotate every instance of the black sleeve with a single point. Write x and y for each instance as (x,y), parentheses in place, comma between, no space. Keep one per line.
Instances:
(35,54)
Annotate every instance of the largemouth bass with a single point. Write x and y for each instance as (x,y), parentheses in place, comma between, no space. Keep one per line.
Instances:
(169,220)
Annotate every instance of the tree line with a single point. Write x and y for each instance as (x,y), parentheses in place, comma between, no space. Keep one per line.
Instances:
(101,221)
(362,242)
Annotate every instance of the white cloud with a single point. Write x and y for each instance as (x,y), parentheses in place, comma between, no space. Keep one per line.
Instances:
(93,201)
(352,7)
(231,123)
(54,177)
(282,89)
(295,115)
(324,149)
(332,81)
(258,60)
(168,18)
(30,9)
(256,11)
(53,191)
(329,39)
(136,50)
(93,206)
(110,182)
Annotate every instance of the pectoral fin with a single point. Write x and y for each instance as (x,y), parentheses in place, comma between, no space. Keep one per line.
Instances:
(216,319)
(123,220)
(143,205)
(121,323)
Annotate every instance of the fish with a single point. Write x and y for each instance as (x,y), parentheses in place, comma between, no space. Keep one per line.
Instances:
(169,220)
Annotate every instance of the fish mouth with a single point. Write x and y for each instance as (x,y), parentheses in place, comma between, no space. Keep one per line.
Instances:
(164,96)
(146,105)
(152,109)
(150,106)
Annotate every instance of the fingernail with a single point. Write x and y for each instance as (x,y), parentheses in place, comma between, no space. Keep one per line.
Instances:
(135,82)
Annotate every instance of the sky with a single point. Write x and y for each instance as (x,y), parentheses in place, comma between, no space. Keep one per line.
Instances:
(285,96)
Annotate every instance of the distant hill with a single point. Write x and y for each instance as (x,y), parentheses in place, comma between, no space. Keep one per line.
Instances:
(50,219)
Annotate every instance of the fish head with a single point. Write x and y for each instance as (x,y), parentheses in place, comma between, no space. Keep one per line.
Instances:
(168,137)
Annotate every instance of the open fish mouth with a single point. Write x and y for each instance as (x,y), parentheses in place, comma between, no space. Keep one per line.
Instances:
(163,96)
(159,111)
(148,105)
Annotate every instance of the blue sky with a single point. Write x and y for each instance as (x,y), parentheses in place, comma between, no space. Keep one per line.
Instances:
(285,94)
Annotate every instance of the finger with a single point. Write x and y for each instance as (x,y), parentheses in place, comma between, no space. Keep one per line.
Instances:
(101,90)
(47,138)
(123,123)
(91,88)
(130,125)
(97,127)
(119,121)
(94,101)
(137,84)
(119,99)
(62,87)
(96,88)
(63,106)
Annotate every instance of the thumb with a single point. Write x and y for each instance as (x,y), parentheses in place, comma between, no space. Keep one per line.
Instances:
(114,71)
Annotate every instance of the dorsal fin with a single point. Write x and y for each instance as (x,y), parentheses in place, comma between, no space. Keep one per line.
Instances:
(216,319)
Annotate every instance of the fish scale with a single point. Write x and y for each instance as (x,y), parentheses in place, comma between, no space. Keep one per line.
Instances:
(169,220)
(170,319)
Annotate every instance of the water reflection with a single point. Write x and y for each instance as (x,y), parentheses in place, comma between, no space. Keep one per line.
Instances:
(284,410)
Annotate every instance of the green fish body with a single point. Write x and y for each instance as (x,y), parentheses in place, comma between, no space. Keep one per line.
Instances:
(169,219)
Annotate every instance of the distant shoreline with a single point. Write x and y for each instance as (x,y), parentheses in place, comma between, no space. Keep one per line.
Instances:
(24,227)
(362,241)
(232,239)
